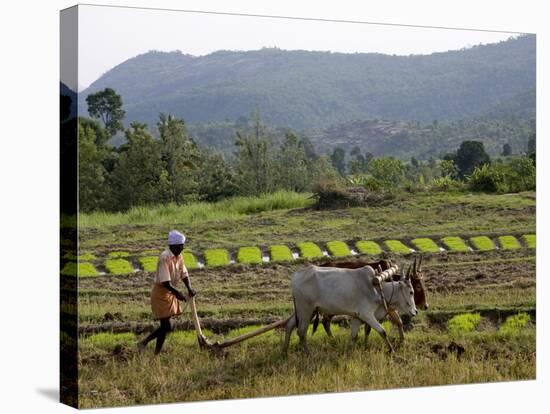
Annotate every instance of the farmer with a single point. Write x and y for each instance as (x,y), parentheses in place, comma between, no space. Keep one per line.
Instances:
(164,296)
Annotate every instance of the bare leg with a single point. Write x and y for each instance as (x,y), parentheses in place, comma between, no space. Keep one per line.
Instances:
(165,329)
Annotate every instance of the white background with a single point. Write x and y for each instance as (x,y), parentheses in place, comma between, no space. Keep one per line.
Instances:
(29,76)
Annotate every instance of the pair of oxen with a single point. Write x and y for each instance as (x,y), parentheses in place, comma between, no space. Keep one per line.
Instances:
(354,288)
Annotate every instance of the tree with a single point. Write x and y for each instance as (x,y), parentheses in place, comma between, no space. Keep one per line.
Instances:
(139,176)
(92,186)
(180,156)
(292,166)
(470,154)
(107,106)
(338,159)
(506,150)
(254,162)
(387,170)
(216,180)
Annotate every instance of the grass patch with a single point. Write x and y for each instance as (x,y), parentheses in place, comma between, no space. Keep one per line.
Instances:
(509,242)
(397,247)
(425,245)
(118,266)
(118,255)
(79,269)
(84,257)
(280,253)
(338,249)
(368,247)
(109,340)
(190,260)
(482,243)
(194,213)
(309,250)
(463,323)
(514,324)
(149,263)
(249,255)
(455,244)
(530,240)
(216,257)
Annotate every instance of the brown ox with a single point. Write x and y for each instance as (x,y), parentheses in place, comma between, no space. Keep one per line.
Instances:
(417,281)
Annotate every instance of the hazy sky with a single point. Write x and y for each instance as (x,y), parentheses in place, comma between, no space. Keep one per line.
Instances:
(109,36)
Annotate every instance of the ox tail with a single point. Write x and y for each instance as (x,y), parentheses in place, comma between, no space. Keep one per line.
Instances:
(315,323)
(295,313)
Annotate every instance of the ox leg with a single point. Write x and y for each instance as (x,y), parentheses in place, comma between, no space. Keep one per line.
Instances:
(371,320)
(303,323)
(367,333)
(396,320)
(290,325)
(355,326)
(326,325)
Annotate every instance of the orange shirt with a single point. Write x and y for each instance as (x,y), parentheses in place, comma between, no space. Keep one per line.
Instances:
(170,268)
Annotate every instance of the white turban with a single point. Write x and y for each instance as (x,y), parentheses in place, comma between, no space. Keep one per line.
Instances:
(175,237)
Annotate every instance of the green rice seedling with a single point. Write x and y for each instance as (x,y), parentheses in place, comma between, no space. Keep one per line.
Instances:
(514,324)
(280,253)
(530,240)
(338,249)
(463,323)
(455,244)
(118,266)
(482,243)
(190,260)
(397,247)
(84,257)
(368,247)
(149,253)
(80,269)
(149,263)
(509,242)
(118,255)
(425,245)
(309,250)
(249,255)
(216,257)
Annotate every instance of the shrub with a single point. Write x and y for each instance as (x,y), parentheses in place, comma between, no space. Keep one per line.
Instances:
(149,263)
(79,269)
(118,266)
(249,255)
(309,250)
(216,257)
(338,249)
(280,253)
(446,183)
(455,244)
(514,324)
(489,178)
(368,247)
(521,174)
(509,242)
(530,240)
(425,245)
(397,247)
(482,243)
(463,323)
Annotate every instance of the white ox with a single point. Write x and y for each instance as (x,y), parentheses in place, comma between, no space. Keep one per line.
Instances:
(340,291)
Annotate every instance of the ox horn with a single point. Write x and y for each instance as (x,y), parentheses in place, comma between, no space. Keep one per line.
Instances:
(414,265)
(409,272)
(420,263)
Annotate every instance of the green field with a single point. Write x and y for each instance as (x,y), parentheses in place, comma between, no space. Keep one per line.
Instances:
(482,300)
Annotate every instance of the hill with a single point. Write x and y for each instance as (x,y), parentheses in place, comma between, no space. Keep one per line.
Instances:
(310,89)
